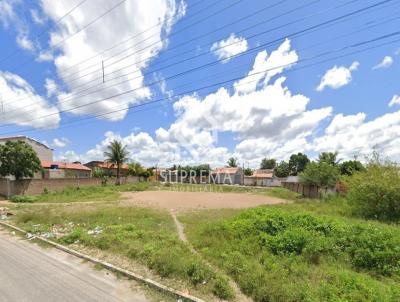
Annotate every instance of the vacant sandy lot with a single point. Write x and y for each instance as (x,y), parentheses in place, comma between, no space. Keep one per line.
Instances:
(198,200)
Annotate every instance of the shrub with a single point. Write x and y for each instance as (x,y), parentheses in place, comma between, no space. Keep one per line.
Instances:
(222,288)
(23,198)
(375,193)
(320,174)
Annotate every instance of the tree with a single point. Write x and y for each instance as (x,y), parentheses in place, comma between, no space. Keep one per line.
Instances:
(297,163)
(282,169)
(248,172)
(320,174)
(136,169)
(232,162)
(268,163)
(329,157)
(117,154)
(351,166)
(18,159)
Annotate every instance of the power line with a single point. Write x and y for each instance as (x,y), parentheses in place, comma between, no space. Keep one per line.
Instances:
(238,78)
(293,35)
(219,84)
(185,43)
(241,31)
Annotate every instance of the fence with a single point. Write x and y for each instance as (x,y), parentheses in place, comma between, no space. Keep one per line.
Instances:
(37,186)
(308,191)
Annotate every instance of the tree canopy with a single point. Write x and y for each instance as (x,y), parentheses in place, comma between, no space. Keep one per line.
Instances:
(18,159)
(232,162)
(320,174)
(116,153)
(297,163)
(329,157)
(350,167)
(282,169)
(248,172)
(268,163)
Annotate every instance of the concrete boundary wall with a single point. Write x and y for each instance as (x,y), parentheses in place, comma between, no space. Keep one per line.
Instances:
(38,186)
(308,191)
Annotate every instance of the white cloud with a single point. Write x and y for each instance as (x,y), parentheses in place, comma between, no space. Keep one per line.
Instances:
(265,119)
(7,14)
(36,17)
(129,19)
(10,20)
(229,47)
(337,77)
(51,87)
(387,61)
(353,135)
(394,101)
(60,142)
(24,42)
(21,105)
(45,56)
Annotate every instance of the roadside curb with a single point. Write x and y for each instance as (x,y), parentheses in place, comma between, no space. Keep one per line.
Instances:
(111,267)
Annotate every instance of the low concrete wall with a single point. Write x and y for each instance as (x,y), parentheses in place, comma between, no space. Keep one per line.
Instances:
(37,186)
(308,191)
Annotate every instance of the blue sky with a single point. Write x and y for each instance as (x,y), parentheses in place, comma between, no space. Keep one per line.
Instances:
(350,103)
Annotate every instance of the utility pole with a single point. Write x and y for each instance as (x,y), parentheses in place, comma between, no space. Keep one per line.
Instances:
(102,67)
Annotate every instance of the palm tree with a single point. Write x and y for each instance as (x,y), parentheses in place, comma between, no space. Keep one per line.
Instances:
(117,154)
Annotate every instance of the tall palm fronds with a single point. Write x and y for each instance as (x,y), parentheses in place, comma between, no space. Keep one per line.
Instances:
(117,154)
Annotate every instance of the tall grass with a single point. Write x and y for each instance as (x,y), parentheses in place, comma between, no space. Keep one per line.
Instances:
(145,235)
(289,254)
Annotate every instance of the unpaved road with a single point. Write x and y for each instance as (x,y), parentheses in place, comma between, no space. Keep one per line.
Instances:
(31,273)
(197,200)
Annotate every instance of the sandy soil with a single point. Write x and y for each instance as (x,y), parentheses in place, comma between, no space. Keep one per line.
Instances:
(197,200)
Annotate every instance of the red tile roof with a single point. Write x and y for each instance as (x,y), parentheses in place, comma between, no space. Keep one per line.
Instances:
(263,173)
(61,165)
(226,170)
(107,165)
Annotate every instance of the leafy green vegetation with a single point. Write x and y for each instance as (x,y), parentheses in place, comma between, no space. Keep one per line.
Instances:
(144,235)
(375,192)
(290,253)
(17,158)
(83,194)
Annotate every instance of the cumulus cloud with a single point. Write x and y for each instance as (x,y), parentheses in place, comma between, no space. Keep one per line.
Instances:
(265,119)
(394,101)
(352,135)
(21,105)
(229,47)
(337,77)
(60,142)
(386,62)
(24,42)
(36,17)
(130,19)
(9,19)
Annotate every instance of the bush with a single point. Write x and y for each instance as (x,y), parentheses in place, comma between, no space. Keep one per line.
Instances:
(23,199)
(320,174)
(375,193)
(222,288)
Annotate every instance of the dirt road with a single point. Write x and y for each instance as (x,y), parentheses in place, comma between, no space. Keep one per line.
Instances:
(30,273)
(198,200)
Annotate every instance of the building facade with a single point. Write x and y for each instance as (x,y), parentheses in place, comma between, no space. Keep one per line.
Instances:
(43,152)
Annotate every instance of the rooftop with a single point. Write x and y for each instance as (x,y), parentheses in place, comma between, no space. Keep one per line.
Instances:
(62,165)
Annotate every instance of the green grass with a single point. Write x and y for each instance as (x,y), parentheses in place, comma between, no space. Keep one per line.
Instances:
(300,252)
(144,235)
(83,194)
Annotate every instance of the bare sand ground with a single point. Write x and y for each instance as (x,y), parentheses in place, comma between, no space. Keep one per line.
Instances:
(197,200)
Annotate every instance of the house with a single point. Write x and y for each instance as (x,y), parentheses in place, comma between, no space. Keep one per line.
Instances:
(262,178)
(53,170)
(229,176)
(108,168)
(43,152)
